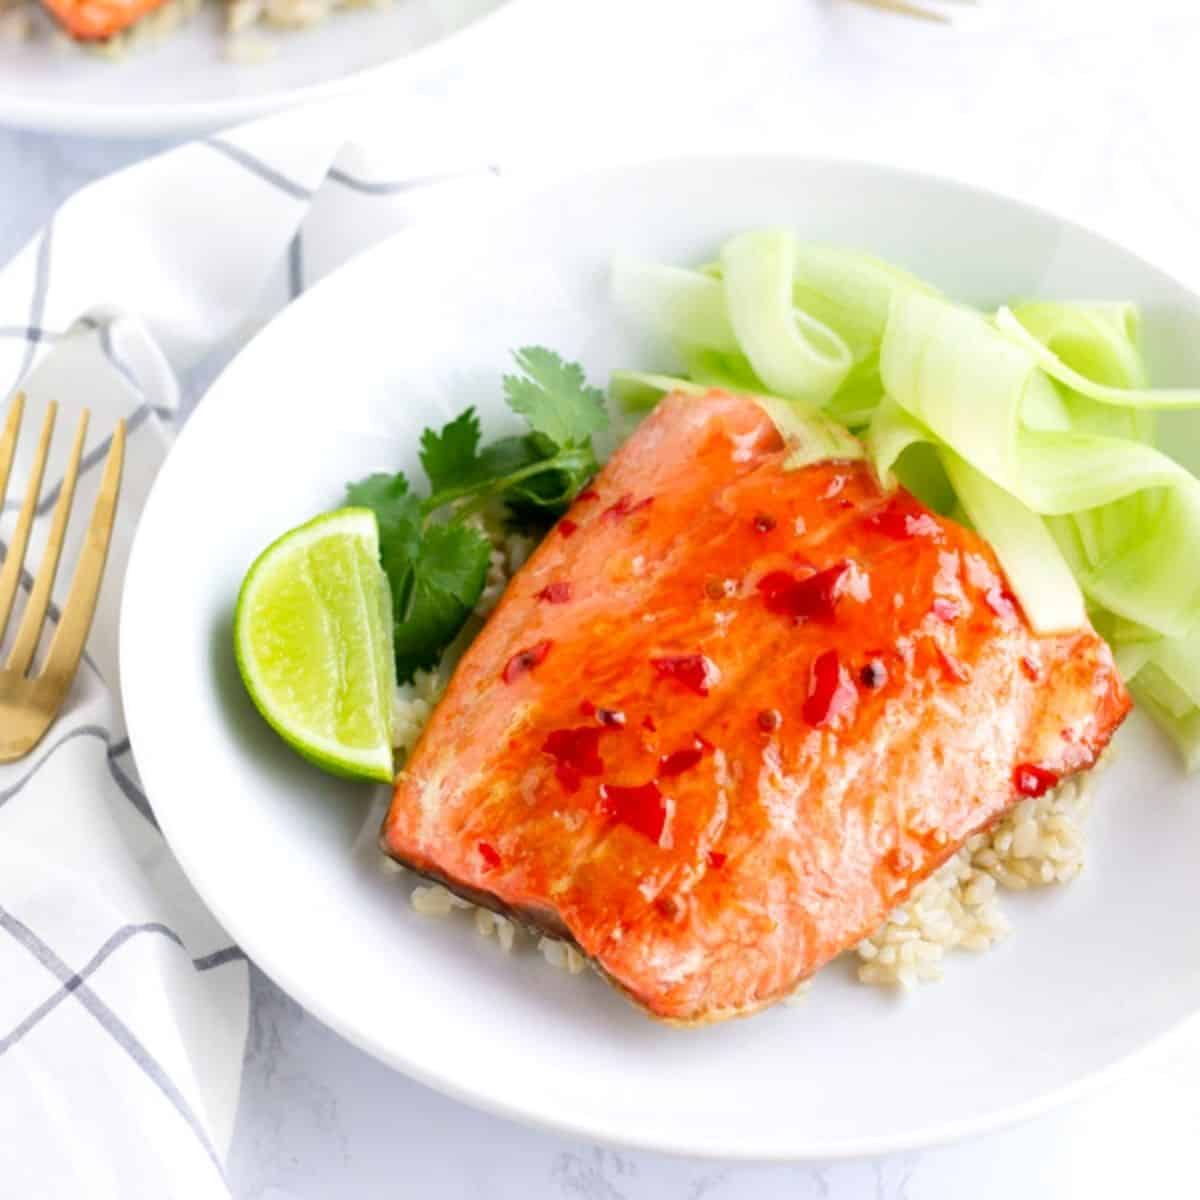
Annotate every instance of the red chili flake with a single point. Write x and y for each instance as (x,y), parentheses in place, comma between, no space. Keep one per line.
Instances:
(640,807)
(830,692)
(526,660)
(693,671)
(576,752)
(775,584)
(903,518)
(768,720)
(1031,780)
(874,674)
(844,504)
(1001,601)
(588,493)
(813,597)
(679,761)
(1031,668)
(954,667)
(558,592)
(716,859)
(626,505)
(764,523)
(648,723)
(946,610)
(587,708)
(490,857)
(567,527)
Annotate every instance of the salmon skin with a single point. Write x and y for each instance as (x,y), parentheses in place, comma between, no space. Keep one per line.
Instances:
(728,715)
(99,20)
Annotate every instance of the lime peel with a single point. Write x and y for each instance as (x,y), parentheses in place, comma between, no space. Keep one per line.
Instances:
(313,640)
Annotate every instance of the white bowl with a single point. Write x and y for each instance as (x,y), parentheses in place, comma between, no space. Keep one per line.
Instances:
(341,385)
(184,85)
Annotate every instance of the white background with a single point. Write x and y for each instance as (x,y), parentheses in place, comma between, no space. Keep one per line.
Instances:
(1085,107)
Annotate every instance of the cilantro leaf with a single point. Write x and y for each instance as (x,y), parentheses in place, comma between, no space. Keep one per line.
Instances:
(448,575)
(454,559)
(388,495)
(436,573)
(538,499)
(554,397)
(437,566)
(507,456)
(451,457)
(398,512)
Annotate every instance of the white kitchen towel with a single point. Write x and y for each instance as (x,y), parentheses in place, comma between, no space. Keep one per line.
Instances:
(123,1006)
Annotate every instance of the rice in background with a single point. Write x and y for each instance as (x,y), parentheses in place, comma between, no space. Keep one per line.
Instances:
(243,25)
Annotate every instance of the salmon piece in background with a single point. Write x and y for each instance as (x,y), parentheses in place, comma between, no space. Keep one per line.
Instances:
(728,716)
(98,20)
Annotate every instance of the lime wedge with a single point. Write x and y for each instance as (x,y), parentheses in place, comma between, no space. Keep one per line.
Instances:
(312,634)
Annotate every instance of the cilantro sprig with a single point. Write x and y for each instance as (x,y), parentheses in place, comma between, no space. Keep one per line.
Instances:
(435,562)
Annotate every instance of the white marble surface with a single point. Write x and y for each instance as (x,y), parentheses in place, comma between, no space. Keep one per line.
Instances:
(1087,108)
(319,1120)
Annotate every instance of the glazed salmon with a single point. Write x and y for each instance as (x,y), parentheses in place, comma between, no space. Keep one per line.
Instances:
(728,716)
(98,20)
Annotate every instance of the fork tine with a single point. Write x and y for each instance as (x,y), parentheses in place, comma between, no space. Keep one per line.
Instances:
(39,598)
(8,440)
(76,620)
(10,573)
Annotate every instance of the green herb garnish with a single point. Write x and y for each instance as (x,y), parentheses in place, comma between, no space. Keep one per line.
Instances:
(435,562)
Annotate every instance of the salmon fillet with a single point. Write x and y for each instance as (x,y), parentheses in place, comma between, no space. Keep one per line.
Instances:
(98,20)
(728,716)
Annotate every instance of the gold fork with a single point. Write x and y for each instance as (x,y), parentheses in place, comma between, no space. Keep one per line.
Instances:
(30,702)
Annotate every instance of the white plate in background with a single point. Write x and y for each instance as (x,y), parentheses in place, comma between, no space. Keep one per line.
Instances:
(184,85)
(340,385)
